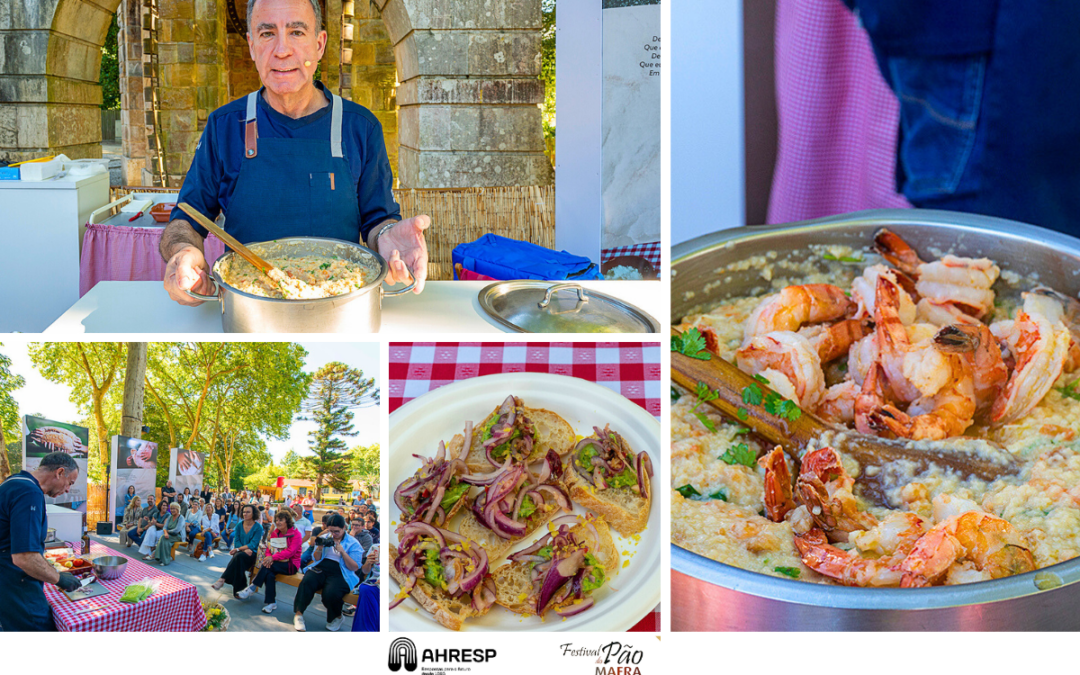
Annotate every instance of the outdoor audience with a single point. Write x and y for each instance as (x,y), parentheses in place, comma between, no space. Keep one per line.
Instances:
(172,532)
(168,492)
(153,533)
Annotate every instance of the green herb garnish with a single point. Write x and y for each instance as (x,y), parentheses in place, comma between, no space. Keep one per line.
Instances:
(742,414)
(843,258)
(1069,390)
(752,395)
(675,395)
(324,266)
(740,453)
(704,395)
(691,343)
(688,491)
(792,572)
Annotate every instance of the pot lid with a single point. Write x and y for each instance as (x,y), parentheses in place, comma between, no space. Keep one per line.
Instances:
(543,307)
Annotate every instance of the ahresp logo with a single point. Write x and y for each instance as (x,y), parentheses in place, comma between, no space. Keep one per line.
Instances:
(402,652)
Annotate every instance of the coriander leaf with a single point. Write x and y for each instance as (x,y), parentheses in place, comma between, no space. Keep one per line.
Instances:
(792,572)
(742,414)
(719,494)
(843,258)
(772,403)
(790,411)
(739,454)
(688,491)
(709,424)
(703,392)
(691,343)
(842,366)
(741,430)
(675,395)
(762,379)
(752,395)
(324,266)
(1069,390)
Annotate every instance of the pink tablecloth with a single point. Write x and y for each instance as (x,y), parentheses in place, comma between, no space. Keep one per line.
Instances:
(117,253)
(174,606)
(838,120)
(632,370)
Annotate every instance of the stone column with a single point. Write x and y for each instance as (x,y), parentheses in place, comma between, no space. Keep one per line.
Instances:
(374,73)
(50,55)
(469,92)
(243,77)
(132,93)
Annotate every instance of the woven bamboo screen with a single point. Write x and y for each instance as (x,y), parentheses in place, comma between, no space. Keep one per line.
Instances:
(465,214)
(97,501)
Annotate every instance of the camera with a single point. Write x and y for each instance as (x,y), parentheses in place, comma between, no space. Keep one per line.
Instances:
(325,540)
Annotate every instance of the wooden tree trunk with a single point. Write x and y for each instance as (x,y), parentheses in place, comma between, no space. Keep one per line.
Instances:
(5,467)
(134,379)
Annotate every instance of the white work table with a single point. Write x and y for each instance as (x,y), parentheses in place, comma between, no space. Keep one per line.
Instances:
(445,307)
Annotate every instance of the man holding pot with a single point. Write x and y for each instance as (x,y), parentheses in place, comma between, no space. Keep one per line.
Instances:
(290,160)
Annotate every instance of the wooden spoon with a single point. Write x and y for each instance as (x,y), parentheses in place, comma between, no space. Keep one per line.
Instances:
(871,452)
(276,275)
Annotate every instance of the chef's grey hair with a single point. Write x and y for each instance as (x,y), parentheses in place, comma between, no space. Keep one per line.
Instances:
(59,460)
(314,6)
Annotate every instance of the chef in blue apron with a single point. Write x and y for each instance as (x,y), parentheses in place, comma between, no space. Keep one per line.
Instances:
(291,159)
(23,527)
(988,104)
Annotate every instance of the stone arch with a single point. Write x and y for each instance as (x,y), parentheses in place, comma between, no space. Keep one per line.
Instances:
(50,55)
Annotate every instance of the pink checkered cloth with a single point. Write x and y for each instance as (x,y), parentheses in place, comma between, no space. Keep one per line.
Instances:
(650,251)
(632,370)
(838,120)
(174,606)
(119,253)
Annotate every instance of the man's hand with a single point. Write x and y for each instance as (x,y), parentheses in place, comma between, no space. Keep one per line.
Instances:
(404,248)
(68,582)
(187,270)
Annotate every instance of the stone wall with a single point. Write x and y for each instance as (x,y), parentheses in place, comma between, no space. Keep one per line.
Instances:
(243,77)
(374,72)
(469,92)
(50,55)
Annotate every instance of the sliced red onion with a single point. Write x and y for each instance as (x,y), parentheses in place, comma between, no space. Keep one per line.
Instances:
(558,494)
(440,456)
(598,479)
(566,520)
(540,543)
(518,502)
(480,568)
(468,441)
(419,529)
(642,475)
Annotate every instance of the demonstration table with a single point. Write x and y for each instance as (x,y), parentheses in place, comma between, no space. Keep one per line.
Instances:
(443,307)
(174,606)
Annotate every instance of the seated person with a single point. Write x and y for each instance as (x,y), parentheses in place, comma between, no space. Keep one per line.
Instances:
(172,531)
(229,530)
(309,550)
(131,520)
(303,525)
(245,549)
(282,557)
(372,527)
(194,522)
(367,610)
(210,529)
(336,560)
(356,529)
(153,532)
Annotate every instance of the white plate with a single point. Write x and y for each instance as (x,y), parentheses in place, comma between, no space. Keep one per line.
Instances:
(419,425)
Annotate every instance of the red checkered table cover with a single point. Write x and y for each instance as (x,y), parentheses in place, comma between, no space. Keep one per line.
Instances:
(650,251)
(174,606)
(630,369)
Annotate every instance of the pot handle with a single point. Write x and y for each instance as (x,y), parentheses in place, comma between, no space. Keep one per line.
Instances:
(390,294)
(208,298)
(558,287)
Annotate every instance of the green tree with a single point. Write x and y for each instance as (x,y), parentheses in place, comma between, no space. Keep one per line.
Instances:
(109,75)
(364,463)
(290,464)
(90,369)
(267,475)
(547,66)
(336,390)
(9,413)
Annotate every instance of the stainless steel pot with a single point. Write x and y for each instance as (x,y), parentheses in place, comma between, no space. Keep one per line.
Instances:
(357,312)
(708,595)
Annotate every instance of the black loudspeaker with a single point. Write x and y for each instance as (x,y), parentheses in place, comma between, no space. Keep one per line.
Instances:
(104,528)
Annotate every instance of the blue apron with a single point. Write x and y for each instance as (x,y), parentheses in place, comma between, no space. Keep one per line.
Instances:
(293,187)
(22,598)
(988,102)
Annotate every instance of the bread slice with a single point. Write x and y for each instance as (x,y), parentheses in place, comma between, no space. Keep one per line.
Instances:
(470,527)
(552,433)
(448,611)
(625,510)
(513,585)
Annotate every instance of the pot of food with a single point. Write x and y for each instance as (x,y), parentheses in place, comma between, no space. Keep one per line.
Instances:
(735,569)
(342,282)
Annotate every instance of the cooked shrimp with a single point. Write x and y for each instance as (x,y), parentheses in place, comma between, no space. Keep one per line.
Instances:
(964,282)
(778,489)
(795,306)
(947,413)
(826,490)
(897,251)
(1071,319)
(913,368)
(864,292)
(870,399)
(838,404)
(942,314)
(846,567)
(786,355)
(1039,343)
(862,356)
(976,344)
(895,535)
(971,541)
(834,340)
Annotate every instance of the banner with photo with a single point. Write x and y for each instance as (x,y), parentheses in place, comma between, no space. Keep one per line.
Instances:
(186,469)
(42,437)
(133,465)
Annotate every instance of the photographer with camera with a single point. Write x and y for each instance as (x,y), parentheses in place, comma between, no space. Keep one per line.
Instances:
(333,571)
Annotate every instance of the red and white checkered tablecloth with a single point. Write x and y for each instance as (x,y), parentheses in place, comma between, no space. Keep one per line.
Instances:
(174,606)
(650,251)
(630,369)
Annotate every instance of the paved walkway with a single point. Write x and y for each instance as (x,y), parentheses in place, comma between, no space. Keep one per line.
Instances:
(246,614)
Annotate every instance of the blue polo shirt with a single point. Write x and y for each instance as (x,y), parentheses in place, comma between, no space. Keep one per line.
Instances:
(23,523)
(212,177)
